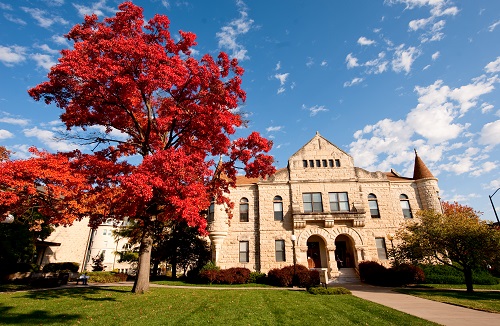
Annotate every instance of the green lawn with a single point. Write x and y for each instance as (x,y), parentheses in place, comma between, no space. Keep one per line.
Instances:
(177,282)
(480,300)
(176,306)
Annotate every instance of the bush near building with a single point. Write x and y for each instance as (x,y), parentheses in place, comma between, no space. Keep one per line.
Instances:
(444,274)
(402,274)
(285,276)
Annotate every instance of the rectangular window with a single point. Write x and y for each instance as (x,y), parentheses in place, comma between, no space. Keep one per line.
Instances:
(278,211)
(280,250)
(104,232)
(381,249)
(318,163)
(304,163)
(312,202)
(324,163)
(337,163)
(330,163)
(339,202)
(311,163)
(244,252)
(211,211)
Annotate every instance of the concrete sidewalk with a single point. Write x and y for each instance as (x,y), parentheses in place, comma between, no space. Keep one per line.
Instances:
(441,313)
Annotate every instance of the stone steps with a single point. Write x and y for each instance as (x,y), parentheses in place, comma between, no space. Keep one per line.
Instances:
(346,275)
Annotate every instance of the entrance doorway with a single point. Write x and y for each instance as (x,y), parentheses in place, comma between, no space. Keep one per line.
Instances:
(344,252)
(313,254)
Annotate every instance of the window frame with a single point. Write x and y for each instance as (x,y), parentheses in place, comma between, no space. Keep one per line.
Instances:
(245,253)
(372,198)
(405,201)
(338,202)
(280,250)
(313,204)
(211,212)
(278,214)
(244,216)
(381,250)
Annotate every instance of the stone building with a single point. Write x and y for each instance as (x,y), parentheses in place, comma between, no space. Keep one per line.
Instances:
(321,210)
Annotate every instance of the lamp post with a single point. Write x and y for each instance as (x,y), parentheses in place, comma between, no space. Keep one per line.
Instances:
(9,219)
(493,205)
(294,238)
(390,236)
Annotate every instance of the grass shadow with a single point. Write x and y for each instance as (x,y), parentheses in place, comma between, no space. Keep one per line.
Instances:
(35,317)
(87,293)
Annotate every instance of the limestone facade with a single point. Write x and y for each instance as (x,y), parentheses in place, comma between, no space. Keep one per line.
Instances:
(325,204)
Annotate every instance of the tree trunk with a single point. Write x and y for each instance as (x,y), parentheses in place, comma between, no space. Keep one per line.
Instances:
(141,283)
(174,265)
(468,279)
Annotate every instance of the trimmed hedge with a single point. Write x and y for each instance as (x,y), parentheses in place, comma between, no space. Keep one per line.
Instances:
(284,277)
(444,274)
(106,277)
(328,291)
(257,277)
(58,267)
(373,273)
(235,275)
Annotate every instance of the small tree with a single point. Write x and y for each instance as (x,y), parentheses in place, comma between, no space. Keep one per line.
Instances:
(457,238)
(98,263)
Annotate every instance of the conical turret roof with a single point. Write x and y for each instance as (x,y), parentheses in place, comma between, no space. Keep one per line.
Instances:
(420,170)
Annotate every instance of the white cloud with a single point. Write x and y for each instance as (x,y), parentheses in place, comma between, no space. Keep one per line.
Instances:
(43,18)
(99,8)
(426,67)
(403,58)
(493,67)
(47,49)
(10,55)
(229,34)
(61,40)
(274,128)
(309,62)
(282,78)
(278,66)
(15,121)
(490,134)
(353,82)
(14,20)
(324,63)
(44,61)
(435,56)
(5,134)
(48,138)
(468,95)
(351,61)
(378,65)
(165,4)
(419,23)
(5,6)
(54,2)
(280,90)
(494,25)
(364,41)
(486,167)
(313,110)
(486,107)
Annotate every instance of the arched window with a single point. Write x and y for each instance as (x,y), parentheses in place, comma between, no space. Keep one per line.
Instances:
(278,208)
(244,207)
(405,206)
(373,204)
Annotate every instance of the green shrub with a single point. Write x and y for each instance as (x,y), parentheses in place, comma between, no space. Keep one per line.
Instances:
(285,276)
(408,274)
(444,274)
(372,272)
(106,277)
(257,277)
(328,291)
(59,267)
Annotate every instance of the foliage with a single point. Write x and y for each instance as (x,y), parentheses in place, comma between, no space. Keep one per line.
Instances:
(285,276)
(444,274)
(106,277)
(457,238)
(128,77)
(257,277)
(402,274)
(97,262)
(63,266)
(4,154)
(235,275)
(328,291)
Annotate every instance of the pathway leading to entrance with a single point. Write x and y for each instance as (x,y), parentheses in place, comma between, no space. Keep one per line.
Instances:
(438,312)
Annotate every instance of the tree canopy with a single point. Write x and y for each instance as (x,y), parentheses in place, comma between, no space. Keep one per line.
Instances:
(151,99)
(457,237)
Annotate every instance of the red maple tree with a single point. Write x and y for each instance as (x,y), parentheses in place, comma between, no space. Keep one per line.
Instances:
(174,112)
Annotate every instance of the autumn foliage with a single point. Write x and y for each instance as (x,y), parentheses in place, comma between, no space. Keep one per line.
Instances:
(151,99)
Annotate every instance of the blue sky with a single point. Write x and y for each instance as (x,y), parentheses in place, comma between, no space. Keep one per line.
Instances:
(376,78)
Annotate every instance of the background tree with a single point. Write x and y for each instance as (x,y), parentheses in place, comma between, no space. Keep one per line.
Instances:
(457,238)
(173,112)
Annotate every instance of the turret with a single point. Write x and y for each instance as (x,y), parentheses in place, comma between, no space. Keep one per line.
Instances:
(427,185)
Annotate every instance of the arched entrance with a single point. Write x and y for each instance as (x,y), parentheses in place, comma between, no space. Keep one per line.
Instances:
(316,252)
(344,252)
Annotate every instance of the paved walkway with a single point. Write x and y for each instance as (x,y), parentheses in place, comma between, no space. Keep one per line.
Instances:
(441,313)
